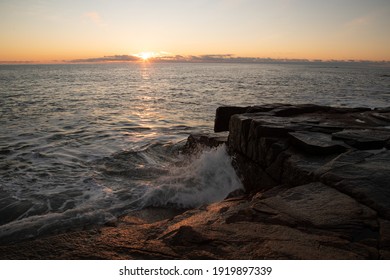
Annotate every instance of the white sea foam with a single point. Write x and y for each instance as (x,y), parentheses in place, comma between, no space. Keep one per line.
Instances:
(53,223)
(201,179)
(208,178)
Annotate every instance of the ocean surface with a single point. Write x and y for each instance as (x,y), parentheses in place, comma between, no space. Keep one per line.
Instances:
(81,145)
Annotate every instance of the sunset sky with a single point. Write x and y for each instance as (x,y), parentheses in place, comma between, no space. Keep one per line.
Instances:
(44,30)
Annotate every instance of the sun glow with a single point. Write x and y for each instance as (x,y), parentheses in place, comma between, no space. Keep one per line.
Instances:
(145,55)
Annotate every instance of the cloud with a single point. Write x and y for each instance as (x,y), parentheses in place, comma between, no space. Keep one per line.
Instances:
(112,58)
(193,58)
(94,17)
(207,58)
(221,58)
(358,22)
(211,58)
(18,62)
(215,58)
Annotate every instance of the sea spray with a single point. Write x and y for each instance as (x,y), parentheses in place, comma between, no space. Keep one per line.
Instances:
(207,178)
(154,176)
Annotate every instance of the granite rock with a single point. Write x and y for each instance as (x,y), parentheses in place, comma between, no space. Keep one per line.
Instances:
(197,142)
(367,180)
(223,115)
(316,142)
(364,139)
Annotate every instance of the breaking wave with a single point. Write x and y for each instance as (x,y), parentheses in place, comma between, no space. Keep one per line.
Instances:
(156,176)
(208,178)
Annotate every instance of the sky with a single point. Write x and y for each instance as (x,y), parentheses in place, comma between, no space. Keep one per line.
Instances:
(46,30)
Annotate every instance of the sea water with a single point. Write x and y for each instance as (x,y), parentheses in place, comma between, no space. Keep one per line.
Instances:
(83,144)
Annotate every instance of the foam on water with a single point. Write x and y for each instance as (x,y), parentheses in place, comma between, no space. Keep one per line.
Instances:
(205,179)
(50,223)
(91,207)
(157,175)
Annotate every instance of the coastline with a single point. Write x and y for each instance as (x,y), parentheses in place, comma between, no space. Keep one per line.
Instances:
(316,181)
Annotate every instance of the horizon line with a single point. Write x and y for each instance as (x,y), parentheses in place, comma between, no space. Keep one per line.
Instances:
(207,58)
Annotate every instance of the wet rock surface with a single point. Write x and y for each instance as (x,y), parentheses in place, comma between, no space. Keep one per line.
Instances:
(317,183)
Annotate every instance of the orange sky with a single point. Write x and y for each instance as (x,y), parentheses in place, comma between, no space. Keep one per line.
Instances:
(42,30)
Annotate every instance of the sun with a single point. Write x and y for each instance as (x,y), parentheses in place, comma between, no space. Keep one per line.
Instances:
(145,55)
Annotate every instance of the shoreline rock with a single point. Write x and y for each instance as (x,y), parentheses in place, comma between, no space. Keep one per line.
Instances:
(317,187)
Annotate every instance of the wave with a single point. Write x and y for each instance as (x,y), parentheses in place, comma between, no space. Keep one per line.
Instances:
(157,175)
(207,178)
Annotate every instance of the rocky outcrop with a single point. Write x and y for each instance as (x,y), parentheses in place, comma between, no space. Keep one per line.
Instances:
(346,149)
(317,183)
(315,167)
(198,141)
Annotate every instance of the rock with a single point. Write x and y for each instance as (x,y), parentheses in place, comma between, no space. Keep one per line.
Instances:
(319,206)
(184,236)
(252,176)
(316,142)
(270,150)
(291,110)
(384,241)
(197,142)
(317,132)
(238,133)
(383,110)
(300,168)
(223,114)
(276,168)
(382,117)
(235,194)
(366,180)
(364,139)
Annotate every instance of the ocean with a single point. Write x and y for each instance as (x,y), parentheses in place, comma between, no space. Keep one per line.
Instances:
(82,144)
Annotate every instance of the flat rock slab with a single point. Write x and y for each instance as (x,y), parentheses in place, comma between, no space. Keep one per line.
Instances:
(317,205)
(367,179)
(364,139)
(317,143)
